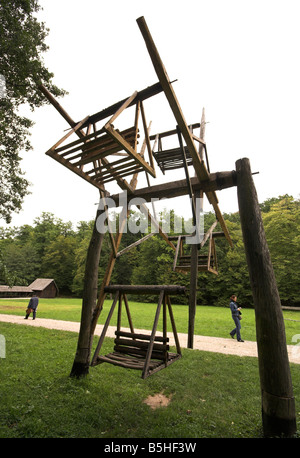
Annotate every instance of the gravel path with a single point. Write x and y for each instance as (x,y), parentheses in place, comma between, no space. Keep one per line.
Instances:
(214,344)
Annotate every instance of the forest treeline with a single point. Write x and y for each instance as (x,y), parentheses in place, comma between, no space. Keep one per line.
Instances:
(51,248)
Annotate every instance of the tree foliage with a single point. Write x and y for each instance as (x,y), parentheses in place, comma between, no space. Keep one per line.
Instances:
(52,248)
(22,43)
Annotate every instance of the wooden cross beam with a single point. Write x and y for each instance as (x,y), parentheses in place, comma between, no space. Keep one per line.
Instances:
(218,180)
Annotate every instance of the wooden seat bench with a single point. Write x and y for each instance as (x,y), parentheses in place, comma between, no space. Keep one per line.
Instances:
(146,352)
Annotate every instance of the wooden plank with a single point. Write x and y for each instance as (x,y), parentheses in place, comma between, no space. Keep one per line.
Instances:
(134,169)
(110,232)
(214,253)
(96,150)
(118,166)
(141,344)
(147,136)
(126,146)
(177,343)
(104,330)
(128,312)
(134,335)
(93,138)
(128,365)
(208,234)
(133,245)
(176,252)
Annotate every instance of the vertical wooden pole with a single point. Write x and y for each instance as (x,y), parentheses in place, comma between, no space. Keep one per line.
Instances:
(82,357)
(278,403)
(194,256)
(193,295)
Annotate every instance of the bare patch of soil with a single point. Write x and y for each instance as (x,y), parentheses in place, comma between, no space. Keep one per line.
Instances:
(157,401)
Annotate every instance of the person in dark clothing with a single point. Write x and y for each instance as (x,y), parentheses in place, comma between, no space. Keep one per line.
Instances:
(32,306)
(235,312)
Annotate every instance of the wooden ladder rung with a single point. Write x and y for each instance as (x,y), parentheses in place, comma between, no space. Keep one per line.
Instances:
(127,362)
(140,344)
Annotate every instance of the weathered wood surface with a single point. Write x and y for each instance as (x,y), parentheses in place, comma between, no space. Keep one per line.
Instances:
(127,147)
(141,95)
(278,403)
(135,350)
(145,289)
(216,181)
(134,335)
(82,358)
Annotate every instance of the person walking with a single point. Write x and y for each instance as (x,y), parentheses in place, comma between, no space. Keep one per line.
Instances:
(235,313)
(32,306)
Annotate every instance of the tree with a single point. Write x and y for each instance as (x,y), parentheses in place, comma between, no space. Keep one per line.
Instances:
(59,262)
(22,43)
(281,224)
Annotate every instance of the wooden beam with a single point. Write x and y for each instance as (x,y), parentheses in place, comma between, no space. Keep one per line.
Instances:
(171,97)
(219,180)
(141,95)
(145,289)
(133,245)
(208,234)
(199,165)
(59,108)
(146,131)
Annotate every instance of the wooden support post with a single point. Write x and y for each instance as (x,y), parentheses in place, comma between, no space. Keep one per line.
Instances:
(278,403)
(150,347)
(105,327)
(193,286)
(82,358)
(193,294)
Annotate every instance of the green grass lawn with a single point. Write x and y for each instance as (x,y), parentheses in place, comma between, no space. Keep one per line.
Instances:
(211,395)
(210,321)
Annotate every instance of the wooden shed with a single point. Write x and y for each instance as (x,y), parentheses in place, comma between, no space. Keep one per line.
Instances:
(15,291)
(44,287)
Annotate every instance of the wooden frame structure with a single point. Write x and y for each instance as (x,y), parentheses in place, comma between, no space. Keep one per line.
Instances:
(95,157)
(147,352)
(206,262)
(278,403)
(88,155)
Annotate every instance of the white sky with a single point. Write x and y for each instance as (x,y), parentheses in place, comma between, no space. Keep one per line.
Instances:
(237,58)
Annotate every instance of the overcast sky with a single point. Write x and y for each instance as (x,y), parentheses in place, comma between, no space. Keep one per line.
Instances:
(238,59)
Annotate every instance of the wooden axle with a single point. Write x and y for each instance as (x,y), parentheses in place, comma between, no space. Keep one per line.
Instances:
(145,289)
(216,181)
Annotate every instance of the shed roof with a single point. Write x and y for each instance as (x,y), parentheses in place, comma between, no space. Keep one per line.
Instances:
(15,289)
(41,283)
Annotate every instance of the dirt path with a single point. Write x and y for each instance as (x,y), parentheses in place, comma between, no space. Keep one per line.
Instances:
(214,344)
